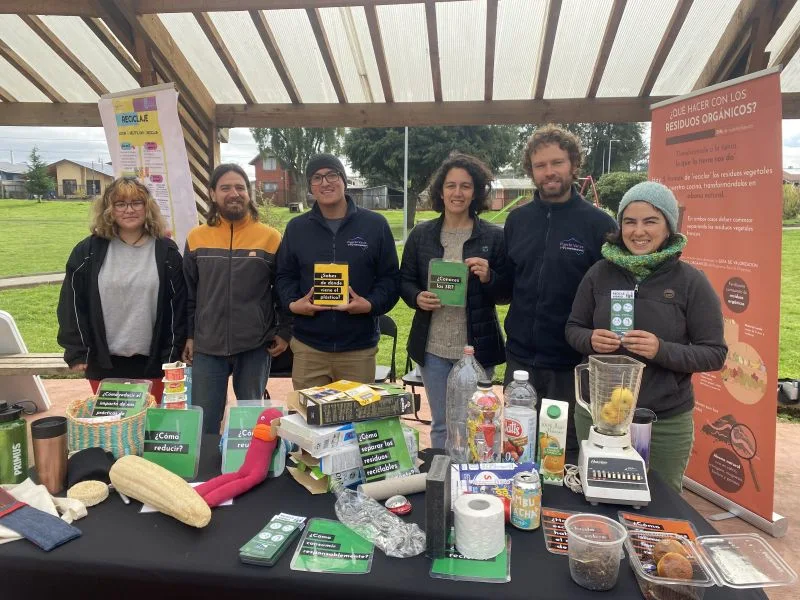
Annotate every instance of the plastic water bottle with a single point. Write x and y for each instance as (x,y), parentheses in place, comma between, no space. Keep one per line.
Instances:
(520,420)
(461,385)
(484,424)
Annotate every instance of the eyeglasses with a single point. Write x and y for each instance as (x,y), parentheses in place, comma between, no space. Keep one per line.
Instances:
(330,177)
(121,206)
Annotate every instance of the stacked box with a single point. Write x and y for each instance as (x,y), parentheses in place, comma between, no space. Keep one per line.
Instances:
(437,506)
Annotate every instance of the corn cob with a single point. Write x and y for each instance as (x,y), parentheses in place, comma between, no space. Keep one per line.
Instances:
(154,485)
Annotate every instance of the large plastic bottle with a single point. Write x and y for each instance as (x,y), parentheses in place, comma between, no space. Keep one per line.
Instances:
(520,420)
(461,385)
(484,424)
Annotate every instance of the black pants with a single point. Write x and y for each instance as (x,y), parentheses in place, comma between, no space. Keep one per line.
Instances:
(555,384)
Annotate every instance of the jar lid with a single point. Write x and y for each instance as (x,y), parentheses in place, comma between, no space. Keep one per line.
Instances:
(9,413)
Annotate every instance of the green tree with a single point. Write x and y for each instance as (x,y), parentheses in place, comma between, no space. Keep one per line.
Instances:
(377,153)
(37,181)
(628,148)
(294,147)
(611,187)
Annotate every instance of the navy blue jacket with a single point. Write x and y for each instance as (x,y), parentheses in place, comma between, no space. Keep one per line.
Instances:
(549,248)
(483,328)
(363,241)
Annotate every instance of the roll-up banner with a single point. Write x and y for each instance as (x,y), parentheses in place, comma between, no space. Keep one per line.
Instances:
(146,141)
(719,150)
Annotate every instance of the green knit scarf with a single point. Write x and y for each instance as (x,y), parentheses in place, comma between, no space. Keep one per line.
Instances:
(642,266)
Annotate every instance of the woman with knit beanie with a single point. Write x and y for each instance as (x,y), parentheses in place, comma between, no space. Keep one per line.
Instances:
(677,322)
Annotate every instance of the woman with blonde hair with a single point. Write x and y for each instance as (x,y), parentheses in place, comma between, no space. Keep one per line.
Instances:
(122,310)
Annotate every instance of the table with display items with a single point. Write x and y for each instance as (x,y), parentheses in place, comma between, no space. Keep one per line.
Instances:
(123,553)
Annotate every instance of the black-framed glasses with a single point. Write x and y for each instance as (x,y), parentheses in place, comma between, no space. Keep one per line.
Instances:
(121,206)
(330,177)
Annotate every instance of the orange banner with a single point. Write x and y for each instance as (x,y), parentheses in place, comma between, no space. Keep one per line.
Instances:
(720,153)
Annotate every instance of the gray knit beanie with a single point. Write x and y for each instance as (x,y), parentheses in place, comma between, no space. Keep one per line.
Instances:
(325,161)
(656,194)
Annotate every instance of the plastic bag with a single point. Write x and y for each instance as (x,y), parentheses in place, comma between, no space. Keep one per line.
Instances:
(375,523)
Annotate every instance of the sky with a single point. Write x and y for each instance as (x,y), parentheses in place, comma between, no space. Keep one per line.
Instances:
(88,144)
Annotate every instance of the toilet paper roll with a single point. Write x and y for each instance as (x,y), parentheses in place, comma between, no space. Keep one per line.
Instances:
(480,526)
(381,490)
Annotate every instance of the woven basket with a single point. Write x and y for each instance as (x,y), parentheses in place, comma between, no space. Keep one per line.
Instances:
(122,437)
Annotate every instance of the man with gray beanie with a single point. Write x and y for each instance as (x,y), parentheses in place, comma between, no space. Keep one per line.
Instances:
(336,342)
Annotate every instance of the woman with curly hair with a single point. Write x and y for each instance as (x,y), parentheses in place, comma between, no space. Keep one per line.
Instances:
(122,310)
(459,191)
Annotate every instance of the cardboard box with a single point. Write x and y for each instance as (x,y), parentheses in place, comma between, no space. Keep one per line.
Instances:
(317,441)
(346,401)
(308,474)
(485,478)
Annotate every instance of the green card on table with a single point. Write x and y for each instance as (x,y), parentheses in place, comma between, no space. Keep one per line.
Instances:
(172,439)
(448,280)
(331,547)
(455,566)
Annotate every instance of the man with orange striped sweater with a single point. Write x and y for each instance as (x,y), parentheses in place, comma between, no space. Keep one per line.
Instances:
(233,324)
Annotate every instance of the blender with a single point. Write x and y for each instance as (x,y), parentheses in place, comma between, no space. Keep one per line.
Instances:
(611,470)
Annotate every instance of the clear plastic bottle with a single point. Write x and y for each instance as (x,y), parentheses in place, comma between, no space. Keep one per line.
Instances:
(519,423)
(461,385)
(484,424)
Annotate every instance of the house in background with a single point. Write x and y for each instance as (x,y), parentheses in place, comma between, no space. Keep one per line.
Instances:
(789,176)
(273,181)
(506,190)
(12,180)
(80,179)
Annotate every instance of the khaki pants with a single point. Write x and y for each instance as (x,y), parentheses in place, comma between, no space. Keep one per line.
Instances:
(313,367)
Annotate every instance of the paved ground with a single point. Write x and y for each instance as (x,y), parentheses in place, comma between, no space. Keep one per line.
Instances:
(787,478)
(26,281)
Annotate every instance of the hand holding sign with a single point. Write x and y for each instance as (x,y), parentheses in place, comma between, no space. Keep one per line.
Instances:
(604,341)
(480,268)
(428,301)
(358,305)
(304,306)
(642,343)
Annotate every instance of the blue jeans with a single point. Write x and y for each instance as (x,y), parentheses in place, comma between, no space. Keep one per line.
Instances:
(434,378)
(210,374)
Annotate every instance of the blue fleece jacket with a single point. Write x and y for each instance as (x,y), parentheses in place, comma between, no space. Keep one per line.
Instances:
(363,241)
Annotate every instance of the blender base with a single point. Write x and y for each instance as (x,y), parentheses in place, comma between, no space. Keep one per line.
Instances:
(612,472)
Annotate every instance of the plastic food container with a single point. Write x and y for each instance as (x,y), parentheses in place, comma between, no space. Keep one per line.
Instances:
(179,400)
(174,371)
(739,561)
(595,550)
(176,386)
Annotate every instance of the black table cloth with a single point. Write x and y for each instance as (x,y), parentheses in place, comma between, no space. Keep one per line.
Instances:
(123,553)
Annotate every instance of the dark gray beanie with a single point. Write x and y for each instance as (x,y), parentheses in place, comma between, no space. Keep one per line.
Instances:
(657,195)
(325,161)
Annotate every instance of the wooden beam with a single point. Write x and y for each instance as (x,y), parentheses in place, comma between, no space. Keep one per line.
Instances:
(212,33)
(173,6)
(6,96)
(172,59)
(147,75)
(268,39)
(765,24)
(214,150)
(110,41)
(737,27)
(614,19)
(327,55)
(380,56)
(728,69)
(55,43)
(116,22)
(491,36)
(74,114)
(573,110)
(433,49)
(664,47)
(74,8)
(29,73)
(785,54)
(546,49)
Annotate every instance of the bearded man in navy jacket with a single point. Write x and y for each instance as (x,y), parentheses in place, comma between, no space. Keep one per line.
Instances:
(339,342)
(550,243)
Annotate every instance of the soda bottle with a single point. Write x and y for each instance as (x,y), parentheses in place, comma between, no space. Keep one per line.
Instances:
(484,424)
(461,385)
(519,423)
